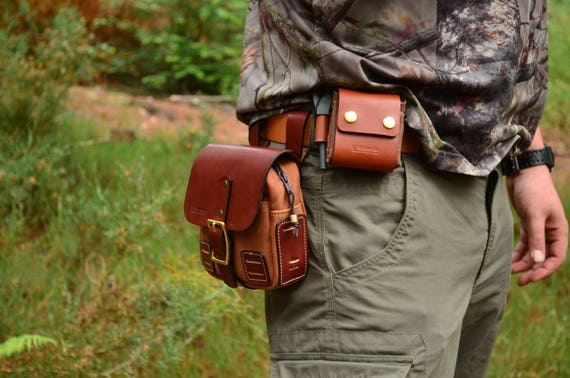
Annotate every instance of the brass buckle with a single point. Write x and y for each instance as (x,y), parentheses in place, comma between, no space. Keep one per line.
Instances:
(213,224)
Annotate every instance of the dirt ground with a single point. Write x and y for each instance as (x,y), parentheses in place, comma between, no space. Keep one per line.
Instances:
(129,117)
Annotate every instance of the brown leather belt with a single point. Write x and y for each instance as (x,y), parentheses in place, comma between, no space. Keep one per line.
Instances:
(287,129)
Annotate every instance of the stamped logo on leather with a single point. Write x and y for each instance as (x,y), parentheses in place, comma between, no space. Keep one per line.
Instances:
(370,149)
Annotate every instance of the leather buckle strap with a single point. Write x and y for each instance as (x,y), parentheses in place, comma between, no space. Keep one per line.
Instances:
(222,244)
(219,248)
(218,237)
(275,128)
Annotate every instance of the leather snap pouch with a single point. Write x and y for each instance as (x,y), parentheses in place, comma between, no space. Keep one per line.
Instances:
(366,130)
(248,204)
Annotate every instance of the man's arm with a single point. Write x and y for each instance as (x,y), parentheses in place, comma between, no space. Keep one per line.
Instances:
(544,229)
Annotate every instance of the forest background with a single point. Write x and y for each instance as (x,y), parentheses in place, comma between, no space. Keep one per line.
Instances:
(99,271)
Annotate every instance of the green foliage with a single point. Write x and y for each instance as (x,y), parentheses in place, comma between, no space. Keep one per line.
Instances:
(164,45)
(114,271)
(19,344)
(36,69)
(556,116)
(94,246)
(31,182)
(192,54)
(176,45)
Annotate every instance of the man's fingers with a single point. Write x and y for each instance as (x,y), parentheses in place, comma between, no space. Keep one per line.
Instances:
(522,265)
(539,271)
(537,255)
(521,261)
(536,239)
(520,249)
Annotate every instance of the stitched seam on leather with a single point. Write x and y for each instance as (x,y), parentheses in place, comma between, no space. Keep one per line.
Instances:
(281,224)
(243,261)
(279,213)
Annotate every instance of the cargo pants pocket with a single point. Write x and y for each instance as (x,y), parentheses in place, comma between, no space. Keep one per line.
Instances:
(356,367)
(335,353)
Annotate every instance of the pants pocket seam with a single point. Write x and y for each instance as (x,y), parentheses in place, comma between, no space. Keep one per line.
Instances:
(389,254)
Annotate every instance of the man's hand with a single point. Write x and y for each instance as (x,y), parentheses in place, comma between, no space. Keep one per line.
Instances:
(544,229)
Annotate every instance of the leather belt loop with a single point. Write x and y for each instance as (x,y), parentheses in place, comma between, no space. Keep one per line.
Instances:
(322,128)
(253,137)
(322,102)
(295,131)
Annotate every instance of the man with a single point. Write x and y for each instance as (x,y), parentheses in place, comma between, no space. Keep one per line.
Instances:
(410,269)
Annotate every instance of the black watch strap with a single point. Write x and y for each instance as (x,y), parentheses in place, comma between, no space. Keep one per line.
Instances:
(514,163)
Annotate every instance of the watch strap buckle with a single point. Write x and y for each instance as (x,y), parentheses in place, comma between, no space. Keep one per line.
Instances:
(510,164)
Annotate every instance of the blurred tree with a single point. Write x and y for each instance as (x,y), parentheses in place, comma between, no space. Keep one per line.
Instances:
(182,46)
(175,45)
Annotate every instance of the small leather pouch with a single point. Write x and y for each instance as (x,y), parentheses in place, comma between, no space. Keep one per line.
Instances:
(366,130)
(248,204)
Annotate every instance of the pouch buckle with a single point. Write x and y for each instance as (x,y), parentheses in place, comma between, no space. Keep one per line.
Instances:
(212,223)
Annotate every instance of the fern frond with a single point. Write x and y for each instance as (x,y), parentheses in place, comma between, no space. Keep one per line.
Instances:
(18,344)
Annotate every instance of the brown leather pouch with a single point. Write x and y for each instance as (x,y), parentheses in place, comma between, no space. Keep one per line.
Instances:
(248,204)
(366,130)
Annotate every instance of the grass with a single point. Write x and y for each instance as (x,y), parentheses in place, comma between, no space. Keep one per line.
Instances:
(534,340)
(113,275)
(107,267)
(559,75)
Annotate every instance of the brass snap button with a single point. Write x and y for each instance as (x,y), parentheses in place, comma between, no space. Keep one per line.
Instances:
(389,122)
(350,116)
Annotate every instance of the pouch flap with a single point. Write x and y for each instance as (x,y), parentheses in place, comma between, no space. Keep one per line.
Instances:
(227,182)
(377,114)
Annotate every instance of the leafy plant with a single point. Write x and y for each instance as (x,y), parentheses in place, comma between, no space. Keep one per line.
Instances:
(19,344)
(191,53)
(36,68)
(175,45)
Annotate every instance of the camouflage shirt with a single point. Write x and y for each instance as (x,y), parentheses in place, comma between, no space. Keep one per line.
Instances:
(474,73)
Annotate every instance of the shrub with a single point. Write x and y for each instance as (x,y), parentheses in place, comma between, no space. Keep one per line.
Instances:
(200,48)
(175,45)
(36,68)
(32,181)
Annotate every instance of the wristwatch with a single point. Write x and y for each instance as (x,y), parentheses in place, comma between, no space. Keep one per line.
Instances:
(514,163)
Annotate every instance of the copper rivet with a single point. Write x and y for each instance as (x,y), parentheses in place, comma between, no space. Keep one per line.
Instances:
(350,116)
(389,122)
(220,213)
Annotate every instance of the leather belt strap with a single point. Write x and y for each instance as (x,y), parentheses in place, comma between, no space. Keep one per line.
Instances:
(218,237)
(280,128)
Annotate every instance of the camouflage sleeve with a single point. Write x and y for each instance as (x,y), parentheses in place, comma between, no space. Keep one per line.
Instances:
(531,86)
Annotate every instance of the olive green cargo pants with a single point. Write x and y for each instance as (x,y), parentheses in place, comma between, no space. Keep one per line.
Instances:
(408,276)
